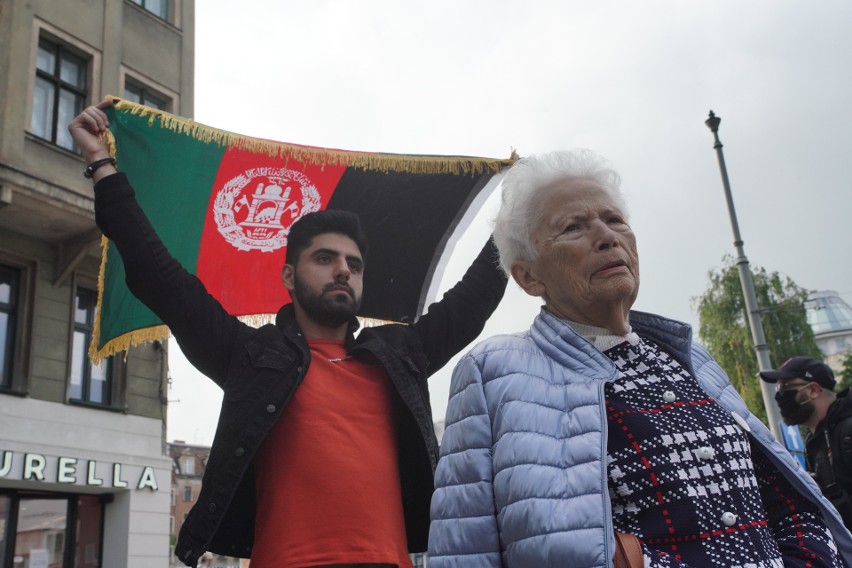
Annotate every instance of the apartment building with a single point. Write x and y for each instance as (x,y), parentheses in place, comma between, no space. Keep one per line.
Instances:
(85,479)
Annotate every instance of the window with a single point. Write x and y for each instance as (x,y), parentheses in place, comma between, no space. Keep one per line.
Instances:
(5,513)
(9,293)
(60,92)
(17,281)
(189,465)
(41,529)
(89,383)
(145,96)
(159,8)
(187,493)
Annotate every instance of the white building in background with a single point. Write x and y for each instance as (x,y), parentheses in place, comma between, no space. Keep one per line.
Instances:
(831,319)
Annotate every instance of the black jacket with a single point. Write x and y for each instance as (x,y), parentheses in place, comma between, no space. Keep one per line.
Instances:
(829,455)
(259,369)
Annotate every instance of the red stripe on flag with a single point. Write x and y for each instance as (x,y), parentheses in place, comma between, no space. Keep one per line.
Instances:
(254,202)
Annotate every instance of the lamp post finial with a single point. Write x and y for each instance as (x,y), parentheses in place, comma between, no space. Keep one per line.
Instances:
(713,122)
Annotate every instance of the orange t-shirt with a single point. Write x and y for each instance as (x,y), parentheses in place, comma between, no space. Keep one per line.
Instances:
(327,475)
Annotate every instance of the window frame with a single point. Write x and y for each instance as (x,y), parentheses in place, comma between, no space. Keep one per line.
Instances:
(10,309)
(146,94)
(21,344)
(43,29)
(134,79)
(188,465)
(173,9)
(81,93)
(72,518)
(116,373)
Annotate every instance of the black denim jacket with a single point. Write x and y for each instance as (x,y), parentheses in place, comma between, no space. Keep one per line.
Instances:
(829,455)
(259,369)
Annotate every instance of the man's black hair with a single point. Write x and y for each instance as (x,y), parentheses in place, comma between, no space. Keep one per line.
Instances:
(336,221)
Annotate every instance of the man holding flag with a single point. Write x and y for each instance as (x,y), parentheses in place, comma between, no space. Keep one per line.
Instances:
(325,451)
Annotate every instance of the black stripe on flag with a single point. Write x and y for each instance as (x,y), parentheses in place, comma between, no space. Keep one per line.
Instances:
(409,219)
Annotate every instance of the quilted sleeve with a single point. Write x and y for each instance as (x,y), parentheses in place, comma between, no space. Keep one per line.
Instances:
(464,530)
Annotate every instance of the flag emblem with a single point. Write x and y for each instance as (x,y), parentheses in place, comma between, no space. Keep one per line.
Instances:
(255,210)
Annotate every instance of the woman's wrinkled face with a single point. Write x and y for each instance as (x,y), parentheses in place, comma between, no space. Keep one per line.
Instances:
(587,260)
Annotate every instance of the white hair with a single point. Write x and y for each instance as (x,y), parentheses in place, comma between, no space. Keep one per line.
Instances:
(524,188)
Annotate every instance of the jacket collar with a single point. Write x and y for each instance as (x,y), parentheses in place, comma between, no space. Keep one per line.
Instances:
(674,335)
(285,320)
(559,341)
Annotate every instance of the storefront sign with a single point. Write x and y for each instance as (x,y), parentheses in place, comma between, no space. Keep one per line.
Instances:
(74,471)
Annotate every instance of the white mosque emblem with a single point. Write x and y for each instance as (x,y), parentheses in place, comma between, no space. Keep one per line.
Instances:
(255,210)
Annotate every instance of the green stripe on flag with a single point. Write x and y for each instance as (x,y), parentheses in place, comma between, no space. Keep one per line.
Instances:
(173,174)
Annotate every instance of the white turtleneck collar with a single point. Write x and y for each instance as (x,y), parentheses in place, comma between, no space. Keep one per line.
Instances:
(601,337)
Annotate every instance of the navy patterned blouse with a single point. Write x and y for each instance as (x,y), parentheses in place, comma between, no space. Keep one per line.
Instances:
(685,479)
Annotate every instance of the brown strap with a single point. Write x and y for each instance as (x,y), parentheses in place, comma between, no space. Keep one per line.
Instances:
(628,551)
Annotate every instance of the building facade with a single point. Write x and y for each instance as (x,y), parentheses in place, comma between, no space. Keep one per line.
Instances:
(188,465)
(85,480)
(830,317)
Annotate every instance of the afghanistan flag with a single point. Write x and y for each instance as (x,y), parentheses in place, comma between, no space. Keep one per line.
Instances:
(224,203)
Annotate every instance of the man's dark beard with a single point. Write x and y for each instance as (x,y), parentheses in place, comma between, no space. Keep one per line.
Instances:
(325,309)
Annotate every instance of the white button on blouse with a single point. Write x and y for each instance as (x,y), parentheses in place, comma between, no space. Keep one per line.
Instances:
(729,519)
(741,422)
(669,396)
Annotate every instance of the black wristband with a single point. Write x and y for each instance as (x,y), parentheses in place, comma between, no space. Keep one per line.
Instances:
(91,168)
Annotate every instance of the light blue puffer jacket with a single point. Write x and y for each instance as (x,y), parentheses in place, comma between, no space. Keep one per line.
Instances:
(522,480)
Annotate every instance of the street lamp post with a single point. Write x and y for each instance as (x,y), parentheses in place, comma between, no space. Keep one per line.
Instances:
(760,346)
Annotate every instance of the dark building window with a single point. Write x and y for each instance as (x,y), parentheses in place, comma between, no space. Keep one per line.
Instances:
(41,529)
(145,96)
(159,8)
(89,383)
(187,493)
(9,298)
(60,92)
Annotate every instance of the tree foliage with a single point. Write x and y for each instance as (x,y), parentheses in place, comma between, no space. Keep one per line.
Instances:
(724,329)
(844,378)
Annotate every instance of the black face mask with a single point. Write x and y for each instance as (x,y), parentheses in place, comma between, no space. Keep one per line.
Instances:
(793,412)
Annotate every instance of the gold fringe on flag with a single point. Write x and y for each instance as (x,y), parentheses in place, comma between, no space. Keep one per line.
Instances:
(122,342)
(418,164)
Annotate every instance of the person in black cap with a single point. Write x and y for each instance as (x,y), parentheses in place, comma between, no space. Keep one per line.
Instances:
(805,395)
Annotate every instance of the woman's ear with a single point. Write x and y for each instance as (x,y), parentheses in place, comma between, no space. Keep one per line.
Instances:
(522,273)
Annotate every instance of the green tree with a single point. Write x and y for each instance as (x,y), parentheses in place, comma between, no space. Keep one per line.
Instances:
(724,328)
(844,378)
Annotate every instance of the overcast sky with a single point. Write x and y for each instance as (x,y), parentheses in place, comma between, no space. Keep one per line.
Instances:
(631,80)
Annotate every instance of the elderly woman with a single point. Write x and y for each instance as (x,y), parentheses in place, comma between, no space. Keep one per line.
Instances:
(601,419)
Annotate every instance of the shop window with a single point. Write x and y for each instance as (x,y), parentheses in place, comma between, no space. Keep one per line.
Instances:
(96,384)
(61,91)
(42,529)
(90,516)
(159,8)
(5,524)
(142,95)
